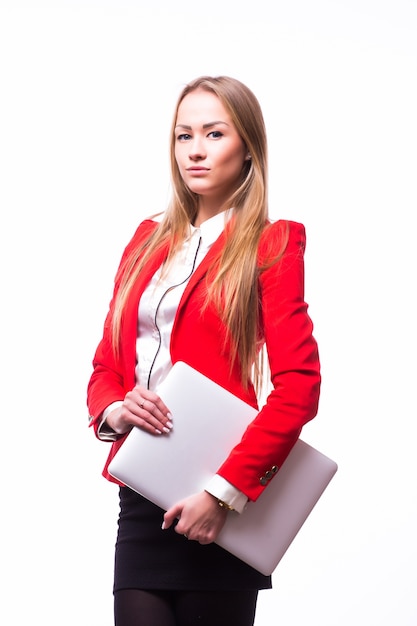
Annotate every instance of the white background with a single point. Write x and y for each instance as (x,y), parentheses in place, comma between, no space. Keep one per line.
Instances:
(87,93)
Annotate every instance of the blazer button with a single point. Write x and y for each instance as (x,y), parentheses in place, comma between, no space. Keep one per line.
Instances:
(274,469)
(268,474)
(263,480)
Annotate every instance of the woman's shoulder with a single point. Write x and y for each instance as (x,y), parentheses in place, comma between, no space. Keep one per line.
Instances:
(283,235)
(146,227)
(275,228)
(143,232)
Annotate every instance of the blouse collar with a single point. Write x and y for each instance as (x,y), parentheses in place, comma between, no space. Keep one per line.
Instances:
(211,229)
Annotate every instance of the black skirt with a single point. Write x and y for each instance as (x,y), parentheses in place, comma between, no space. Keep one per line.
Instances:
(148,557)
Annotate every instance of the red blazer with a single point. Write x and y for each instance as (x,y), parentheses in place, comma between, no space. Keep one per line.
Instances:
(198,339)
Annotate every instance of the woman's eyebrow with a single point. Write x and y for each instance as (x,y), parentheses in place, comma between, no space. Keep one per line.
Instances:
(208,125)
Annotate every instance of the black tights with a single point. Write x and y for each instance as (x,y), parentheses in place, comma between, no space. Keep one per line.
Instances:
(133,607)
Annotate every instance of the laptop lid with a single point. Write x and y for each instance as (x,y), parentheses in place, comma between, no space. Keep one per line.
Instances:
(208,422)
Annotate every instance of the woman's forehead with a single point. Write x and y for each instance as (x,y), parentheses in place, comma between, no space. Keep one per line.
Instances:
(203,107)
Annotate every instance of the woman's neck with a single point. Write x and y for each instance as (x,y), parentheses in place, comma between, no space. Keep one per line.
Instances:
(206,211)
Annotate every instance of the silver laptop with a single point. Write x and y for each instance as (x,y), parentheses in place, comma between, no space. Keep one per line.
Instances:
(208,422)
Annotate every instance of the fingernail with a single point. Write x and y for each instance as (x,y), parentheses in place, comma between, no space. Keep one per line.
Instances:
(158,432)
(169,416)
(163,526)
(169,424)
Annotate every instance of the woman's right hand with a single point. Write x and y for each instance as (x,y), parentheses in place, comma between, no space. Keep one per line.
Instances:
(141,408)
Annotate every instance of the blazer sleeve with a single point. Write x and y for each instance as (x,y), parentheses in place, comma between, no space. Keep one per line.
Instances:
(109,381)
(294,364)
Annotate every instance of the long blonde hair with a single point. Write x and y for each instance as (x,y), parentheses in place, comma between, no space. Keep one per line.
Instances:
(233,287)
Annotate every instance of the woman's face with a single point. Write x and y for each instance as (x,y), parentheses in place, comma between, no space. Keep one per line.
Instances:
(208,149)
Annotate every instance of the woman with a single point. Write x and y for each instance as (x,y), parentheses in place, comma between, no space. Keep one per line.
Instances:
(211,283)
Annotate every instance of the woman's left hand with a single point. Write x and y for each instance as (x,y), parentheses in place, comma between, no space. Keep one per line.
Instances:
(200,517)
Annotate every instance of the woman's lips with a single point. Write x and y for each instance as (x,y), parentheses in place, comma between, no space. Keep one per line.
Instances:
(197,171)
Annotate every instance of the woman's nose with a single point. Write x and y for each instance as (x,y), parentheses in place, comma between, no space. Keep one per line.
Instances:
(197,151)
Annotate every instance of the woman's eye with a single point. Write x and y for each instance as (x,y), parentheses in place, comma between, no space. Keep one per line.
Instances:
(183,137)
(215,134)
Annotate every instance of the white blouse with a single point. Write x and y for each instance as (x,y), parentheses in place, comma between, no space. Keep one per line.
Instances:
(157,310)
